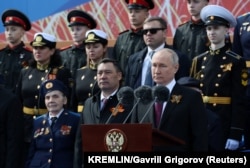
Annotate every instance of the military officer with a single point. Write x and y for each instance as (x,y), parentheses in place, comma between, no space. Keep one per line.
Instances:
(131,40)
(15,55)
(223,75)
(74,56)
(241,46)
(85,82)
(45,65)
(54,133)
(191,37)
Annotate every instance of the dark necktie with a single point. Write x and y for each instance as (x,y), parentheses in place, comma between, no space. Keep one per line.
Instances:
(53,121)
(104,102)
(158,111)
(148,79)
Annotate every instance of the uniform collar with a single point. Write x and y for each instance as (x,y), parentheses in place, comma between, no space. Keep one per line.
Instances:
(17,48)
(42,67)
(218,51)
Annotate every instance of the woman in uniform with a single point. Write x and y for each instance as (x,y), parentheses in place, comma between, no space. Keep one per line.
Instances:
(85,82)
(45,65)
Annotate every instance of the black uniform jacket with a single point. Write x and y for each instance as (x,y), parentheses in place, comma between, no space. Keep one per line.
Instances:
(74,57)
(127,43)
(12,60)
(191,38)
(223,74)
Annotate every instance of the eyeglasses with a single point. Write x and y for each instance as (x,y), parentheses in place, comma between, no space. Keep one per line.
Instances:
(151,31)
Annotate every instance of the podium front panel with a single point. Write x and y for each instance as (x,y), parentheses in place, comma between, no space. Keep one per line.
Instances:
(117,138)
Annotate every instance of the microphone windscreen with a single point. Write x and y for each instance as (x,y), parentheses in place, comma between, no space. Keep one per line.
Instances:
(144,93)
(126,95)
(161,93)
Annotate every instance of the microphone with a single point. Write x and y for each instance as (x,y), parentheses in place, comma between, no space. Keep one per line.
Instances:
(125,95)
(160,94)
(143,94)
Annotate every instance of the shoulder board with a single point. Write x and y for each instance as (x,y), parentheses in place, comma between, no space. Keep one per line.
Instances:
(202,54)
(123,32)
(183,23)
(233,54)
(27,67)
(245,14)
(84,67)
(27,48)
(65,48)
(61,67)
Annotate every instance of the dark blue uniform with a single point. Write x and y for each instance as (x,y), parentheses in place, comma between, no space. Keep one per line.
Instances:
(53,148)
(241,45)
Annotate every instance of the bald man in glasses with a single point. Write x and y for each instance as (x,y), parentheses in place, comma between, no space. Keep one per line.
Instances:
(138,71)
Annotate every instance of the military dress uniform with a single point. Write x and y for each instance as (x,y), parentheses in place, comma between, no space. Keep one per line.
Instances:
(74,56)
(53,140)
(223,78)
(33,76)
(191,38)
(241,45)
(85,85)
(130,41)
(13,59)
(85,81)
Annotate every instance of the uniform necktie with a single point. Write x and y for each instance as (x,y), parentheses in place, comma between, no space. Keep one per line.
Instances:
(53,121)
(158,111)
(148,79)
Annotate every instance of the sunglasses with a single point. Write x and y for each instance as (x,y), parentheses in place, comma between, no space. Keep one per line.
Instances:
(151,31)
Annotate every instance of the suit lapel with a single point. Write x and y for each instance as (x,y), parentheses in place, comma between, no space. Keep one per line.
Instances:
(169,109)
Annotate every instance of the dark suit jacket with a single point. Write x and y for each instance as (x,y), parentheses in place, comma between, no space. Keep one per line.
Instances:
(93,114)
(186,120)
(135,64)
(53,148)
(11,129)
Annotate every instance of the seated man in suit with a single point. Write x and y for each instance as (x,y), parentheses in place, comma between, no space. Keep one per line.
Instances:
(183,115)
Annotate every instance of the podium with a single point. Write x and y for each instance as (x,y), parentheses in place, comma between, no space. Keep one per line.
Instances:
(124,138)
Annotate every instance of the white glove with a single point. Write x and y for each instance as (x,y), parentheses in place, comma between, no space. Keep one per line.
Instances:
(232,144)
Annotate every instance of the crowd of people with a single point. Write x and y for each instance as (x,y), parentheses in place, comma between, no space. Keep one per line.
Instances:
(47,93)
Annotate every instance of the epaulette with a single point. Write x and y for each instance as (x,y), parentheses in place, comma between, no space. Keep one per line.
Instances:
(183,23)
(65,48)
(84,67)
(123,32)
(202,54)
(27,48)
(60,67)
(233,54)
(247,13)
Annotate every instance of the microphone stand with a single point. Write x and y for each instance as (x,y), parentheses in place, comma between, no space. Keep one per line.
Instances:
(138,100)
(151,105)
